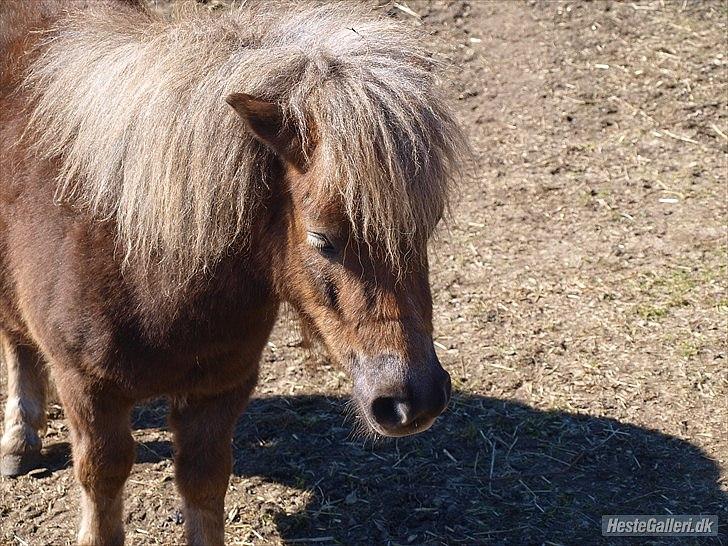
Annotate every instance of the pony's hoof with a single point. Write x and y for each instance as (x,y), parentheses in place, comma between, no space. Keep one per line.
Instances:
(13,465)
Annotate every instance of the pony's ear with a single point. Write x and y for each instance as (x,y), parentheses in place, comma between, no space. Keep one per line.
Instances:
(267,122)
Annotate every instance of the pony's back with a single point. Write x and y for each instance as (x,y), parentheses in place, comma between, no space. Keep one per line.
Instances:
(21,21)
(17,19)
(18,16)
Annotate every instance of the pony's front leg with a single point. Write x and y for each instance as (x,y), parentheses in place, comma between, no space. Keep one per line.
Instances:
(203,430)
(25,409)
(103,454)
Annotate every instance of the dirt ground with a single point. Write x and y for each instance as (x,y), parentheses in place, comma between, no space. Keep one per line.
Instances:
(580,305)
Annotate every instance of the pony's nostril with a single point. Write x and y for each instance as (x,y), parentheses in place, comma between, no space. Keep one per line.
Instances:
(404,412)
(390,412)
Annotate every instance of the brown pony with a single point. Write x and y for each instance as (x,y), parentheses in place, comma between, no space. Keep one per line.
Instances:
(166,183)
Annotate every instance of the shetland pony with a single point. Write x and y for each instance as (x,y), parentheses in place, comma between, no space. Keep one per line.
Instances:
(166,183)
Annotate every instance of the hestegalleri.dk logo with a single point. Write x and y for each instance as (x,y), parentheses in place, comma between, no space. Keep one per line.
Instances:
(660,525)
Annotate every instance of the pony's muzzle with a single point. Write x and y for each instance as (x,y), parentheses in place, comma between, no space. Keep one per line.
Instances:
(398,399)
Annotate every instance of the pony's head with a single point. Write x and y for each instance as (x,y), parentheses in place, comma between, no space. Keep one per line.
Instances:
(358,203)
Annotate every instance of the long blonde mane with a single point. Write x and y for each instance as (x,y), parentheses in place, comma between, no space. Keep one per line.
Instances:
(133,108)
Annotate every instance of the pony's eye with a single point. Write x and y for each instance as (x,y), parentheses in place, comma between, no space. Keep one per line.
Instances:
(320,242)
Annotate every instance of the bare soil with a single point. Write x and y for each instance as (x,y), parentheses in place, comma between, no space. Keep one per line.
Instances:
(580,304)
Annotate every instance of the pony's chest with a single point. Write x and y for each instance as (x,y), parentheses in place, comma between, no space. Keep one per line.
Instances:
(203,348)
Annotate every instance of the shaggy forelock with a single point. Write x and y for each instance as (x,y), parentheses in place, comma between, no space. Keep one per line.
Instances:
(134,108)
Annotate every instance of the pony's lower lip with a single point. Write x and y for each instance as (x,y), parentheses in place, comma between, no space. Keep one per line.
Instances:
(410,430)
